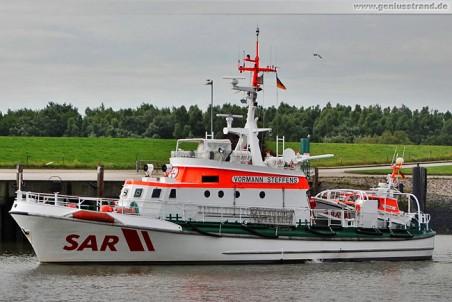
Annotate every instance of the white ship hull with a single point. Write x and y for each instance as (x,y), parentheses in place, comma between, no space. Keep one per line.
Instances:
(60,239)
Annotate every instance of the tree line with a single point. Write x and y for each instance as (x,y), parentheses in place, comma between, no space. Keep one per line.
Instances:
(333,124)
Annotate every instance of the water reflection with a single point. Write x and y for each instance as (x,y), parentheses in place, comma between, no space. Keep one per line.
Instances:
(16,248)
(24,278)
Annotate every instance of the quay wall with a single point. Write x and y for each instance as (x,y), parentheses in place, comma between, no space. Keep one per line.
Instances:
(438,205)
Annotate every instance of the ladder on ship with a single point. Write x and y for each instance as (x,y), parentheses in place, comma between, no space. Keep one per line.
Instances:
(278,140)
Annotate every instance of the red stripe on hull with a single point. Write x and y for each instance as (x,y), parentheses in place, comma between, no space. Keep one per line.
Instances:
(133,240)
(147,240)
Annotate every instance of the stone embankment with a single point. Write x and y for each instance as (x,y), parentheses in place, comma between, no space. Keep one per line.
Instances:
(439,195)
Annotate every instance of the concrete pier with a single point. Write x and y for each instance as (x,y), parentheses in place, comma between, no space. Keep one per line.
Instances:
(66,175)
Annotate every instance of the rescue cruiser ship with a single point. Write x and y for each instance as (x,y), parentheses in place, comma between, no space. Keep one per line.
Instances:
(218,204)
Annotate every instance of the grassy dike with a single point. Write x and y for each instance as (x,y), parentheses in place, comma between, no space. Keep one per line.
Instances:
(79,153)
(122,153)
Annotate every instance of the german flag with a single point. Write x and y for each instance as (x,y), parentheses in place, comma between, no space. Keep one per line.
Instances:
(279,84)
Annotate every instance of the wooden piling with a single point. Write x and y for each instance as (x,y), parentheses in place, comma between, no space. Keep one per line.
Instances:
(420,186)
(315,182)
(19,176)
(100,180)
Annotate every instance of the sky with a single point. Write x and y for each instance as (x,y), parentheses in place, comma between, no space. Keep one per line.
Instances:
(124,53)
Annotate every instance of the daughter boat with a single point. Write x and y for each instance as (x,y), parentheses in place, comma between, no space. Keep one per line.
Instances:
(219,204)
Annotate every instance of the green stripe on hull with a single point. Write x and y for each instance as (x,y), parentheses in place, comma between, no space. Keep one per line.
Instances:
(300,231)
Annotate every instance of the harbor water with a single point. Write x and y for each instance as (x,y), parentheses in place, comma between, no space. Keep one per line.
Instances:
(23,278)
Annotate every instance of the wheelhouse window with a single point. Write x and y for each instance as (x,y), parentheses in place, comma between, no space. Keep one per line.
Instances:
(210,178)
(172,193)
(138,192)
(156,193)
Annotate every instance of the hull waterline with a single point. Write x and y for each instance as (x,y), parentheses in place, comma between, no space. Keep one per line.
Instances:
(67,240)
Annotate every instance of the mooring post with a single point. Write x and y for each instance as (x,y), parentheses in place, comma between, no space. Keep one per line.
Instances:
(19,176)
(316,181)
(420,186)
(100,180)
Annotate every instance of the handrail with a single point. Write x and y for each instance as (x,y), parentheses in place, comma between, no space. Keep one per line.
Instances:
(63,200)
(204,211)
(344,218)
(413,197)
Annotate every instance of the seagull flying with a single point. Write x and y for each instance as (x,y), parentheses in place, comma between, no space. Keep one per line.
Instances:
(317,55)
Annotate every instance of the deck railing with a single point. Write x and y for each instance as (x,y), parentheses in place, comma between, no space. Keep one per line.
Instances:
(333,218)
(87,203)
(193,211)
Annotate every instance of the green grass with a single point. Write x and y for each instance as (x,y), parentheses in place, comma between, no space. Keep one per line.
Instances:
(369,154)
(70,152)
(122,153)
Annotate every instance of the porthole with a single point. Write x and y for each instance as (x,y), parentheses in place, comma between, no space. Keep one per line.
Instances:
(237,194)
(138,193)
(220,194)
(207,193)
(262,194)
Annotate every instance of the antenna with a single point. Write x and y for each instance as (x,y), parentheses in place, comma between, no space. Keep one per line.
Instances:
(394,156)
(229,119)
(254,67)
